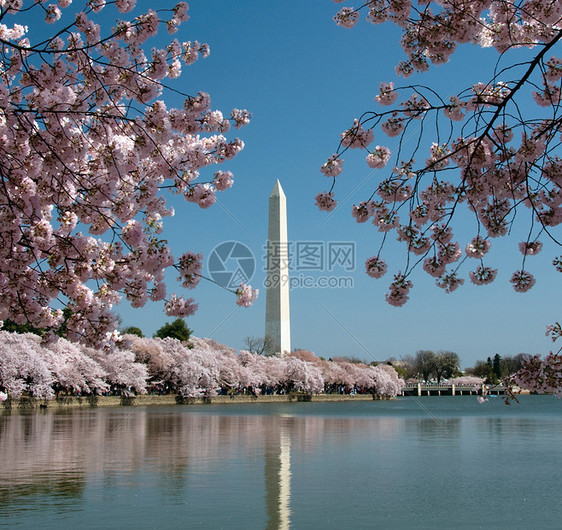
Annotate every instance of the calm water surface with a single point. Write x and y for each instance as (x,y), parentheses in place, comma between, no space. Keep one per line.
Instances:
(432,462)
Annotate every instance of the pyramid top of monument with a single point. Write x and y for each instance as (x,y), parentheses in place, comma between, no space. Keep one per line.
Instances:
(277,190)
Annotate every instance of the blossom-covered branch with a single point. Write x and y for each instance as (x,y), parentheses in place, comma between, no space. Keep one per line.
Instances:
(494,147)
(88,148)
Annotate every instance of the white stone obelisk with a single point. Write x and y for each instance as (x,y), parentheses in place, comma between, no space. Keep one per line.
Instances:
(277,317)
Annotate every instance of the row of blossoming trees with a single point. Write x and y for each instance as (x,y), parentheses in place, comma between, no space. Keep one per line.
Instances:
(204,367)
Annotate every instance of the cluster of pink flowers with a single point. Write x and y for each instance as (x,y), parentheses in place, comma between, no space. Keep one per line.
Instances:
(376,267)
(347,17)
(483,275)
(379,157)
(362,212)
(530,248)
(466,380)
(478,247)
(356,137)
(394,125)
(496,157)
(387,95)
(88,147)
(399,289)
(522,281)
(223,180)
(246,295)
(333,166)
(540,375)
(189,266)
(449,282)
(325,201)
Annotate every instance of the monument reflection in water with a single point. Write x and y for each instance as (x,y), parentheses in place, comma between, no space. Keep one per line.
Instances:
(142,465)
(278,477)
(309,465)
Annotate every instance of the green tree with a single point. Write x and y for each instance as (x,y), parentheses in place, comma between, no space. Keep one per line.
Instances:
(176,330)
(133,330)
(446,364)
(510,365)
(480,369)
(496,365)
(12,327)
(424,363)
(492,378)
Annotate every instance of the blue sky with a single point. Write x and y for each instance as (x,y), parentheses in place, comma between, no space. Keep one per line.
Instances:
(304,79)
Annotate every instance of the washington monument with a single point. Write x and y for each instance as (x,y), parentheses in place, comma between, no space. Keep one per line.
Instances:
(277,318)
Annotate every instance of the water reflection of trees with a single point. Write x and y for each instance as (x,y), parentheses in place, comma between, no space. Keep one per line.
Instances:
(54,455)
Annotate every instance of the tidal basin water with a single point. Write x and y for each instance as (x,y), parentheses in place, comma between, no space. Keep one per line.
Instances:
(432,462)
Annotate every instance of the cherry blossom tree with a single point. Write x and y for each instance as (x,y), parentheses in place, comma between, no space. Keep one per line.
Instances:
(386,380)
(89,148)
(303,376)
(541,375)
(73,369)
(494,147)
(467,380)
(151,353)
(22,367)
(256,371)
(201,367)
(336,375)
(121,369)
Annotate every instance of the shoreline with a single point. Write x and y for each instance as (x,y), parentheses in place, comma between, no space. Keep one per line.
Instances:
(27,404)
(142,400)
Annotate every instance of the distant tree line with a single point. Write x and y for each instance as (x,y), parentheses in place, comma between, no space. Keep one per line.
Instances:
(497,368)
(427,365)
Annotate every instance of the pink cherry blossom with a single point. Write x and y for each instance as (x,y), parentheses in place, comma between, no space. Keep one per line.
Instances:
(478,247)
(223,180)
(189,266)
(362,212)
(394,125)
(356,137)
(376,267)
(449,282)
(522,281)
(387,95)
(347,17)
(379,157)
(399,289)
(530,248)
(177,306)
(246,295)
(325,201)
(434,267)
(483,275)
(333,167)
